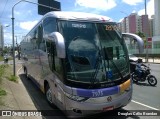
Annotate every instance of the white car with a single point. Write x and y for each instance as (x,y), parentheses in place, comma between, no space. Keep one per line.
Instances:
(133,57)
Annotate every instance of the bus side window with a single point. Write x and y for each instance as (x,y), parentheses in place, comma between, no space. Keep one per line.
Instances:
(55,63)
(41,41)
(49,25)
(51,50)
(59,67)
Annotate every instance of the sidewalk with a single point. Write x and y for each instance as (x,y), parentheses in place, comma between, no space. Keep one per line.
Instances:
(150,60)
(17,97)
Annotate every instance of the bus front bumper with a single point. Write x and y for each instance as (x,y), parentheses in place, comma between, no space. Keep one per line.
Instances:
(92,106)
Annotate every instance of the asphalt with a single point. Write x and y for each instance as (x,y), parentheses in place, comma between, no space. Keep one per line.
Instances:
(17,99)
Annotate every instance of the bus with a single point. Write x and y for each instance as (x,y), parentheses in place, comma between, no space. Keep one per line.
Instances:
(79,61)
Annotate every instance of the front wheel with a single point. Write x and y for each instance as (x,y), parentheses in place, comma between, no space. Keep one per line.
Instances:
(152,80)
(48,94)
(134,78)
(25,72)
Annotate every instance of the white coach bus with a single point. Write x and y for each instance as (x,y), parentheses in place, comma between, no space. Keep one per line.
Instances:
(80,61)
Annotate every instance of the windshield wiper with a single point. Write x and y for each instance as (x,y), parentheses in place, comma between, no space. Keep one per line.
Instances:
(109,58)
(97,67)
(120,74)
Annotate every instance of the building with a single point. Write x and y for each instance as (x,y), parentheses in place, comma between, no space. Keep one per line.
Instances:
(1,38)
(144,25)
(135,23)
(131,23)
(157,17)
(156,38)
(123,25)
(151,26)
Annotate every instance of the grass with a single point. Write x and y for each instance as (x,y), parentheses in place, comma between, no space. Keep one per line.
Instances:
(6,72)
(2,58)
(2,71)
(2,92)
(13,78)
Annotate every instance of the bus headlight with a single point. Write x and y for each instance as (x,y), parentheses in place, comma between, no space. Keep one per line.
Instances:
(76,98)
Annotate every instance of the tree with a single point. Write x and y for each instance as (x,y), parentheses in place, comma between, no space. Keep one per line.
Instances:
(141,34)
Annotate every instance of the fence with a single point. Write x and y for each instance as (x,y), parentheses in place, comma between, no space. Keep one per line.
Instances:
(153,55)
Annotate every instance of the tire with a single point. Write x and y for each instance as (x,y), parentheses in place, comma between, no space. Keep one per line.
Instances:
(152,80)
(134,78)
(48,94)
(26,72)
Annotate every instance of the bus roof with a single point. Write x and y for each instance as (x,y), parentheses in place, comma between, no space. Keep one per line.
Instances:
(77,16)
(66,15)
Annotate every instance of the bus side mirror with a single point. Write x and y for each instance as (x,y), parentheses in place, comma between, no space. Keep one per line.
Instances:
(60,44)
(136,38)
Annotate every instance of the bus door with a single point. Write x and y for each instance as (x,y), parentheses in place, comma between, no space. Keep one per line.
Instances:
(56,82)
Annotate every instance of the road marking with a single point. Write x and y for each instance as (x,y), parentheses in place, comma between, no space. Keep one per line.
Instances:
(19,70)
(144,105)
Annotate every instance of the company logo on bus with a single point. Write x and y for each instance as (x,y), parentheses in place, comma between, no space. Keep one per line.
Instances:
(109,99)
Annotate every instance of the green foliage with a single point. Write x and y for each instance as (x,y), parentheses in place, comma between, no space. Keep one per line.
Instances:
(2,73)
(1,58)
(13,78)
(2,70)
(2,92)
(141,34)
(5,72)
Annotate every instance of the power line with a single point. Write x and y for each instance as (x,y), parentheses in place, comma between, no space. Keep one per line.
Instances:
(4,8)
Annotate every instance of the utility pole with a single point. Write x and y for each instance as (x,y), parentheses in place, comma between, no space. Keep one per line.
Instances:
(18,50)
(146,34)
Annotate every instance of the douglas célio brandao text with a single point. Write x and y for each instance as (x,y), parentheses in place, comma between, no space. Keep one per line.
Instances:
(142,113)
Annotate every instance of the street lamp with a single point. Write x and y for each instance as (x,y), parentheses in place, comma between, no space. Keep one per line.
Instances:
(146,34)
(14,68)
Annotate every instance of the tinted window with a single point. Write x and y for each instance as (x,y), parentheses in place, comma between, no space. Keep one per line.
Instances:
(49,25)
(94,51)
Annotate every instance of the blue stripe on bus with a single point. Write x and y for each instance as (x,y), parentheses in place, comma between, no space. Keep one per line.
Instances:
(97,92)
(102,92)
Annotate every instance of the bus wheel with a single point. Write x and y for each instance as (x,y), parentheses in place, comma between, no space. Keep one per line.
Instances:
(25,72)
(48,94)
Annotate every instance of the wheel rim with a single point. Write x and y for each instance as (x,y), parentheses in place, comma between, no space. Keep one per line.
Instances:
(25,72)
(48,95)
(152,80)
(134,78)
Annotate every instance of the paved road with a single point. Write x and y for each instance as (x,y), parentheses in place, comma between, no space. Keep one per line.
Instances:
(145,97)
(147,94)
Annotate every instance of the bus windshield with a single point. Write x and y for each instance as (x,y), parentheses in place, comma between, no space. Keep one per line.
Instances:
(95,52)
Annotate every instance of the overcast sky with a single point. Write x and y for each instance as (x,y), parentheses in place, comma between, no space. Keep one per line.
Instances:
(26,14)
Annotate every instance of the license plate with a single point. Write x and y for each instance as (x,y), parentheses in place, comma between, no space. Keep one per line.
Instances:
(108,108)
